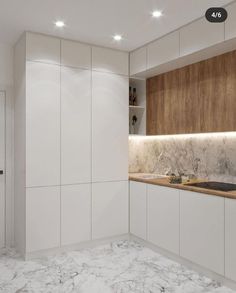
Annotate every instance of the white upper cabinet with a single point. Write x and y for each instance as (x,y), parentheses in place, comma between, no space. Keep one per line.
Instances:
(109,209)
(163,50)
(109,127)
(42,48)
(163,217)
(200,35)
(230,23)
(230,238)
(138,60)
(42,124)
(75,54)
(202,229)
(75,213)
(75,125)
(138,209)
(109,60)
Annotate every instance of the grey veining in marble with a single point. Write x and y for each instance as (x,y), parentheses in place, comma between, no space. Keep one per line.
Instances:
(208,156)
(120,267)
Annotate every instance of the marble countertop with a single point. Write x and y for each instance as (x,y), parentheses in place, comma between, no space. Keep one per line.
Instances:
(165,182)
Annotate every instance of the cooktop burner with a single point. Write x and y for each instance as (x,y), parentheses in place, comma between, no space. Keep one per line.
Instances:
(214,185)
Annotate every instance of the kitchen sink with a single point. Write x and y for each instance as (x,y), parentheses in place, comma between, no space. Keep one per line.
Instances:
(221,186)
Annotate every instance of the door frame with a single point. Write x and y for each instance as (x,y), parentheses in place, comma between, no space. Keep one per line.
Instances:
(4,172)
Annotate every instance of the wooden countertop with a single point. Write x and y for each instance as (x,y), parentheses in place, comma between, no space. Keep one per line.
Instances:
(165,182)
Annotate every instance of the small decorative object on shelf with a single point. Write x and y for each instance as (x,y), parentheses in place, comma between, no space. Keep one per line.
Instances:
(134,97)
(133,122)
(130,96)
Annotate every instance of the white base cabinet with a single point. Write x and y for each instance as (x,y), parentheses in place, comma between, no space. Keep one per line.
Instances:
(163,217)
(75,214)
(230,239)
(109,209)
(138,209)
(202,230)
(42,218)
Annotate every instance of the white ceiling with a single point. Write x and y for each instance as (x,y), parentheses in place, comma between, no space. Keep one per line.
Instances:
(96,21)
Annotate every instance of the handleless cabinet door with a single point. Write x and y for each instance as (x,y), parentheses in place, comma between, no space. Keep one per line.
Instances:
(202,230)
(109,209)
(230,238)
(75,125)
(230,23)
(138,61)
(42,124)
(199,35)
(138,209)
(109,127)
(75,213)
(163,217)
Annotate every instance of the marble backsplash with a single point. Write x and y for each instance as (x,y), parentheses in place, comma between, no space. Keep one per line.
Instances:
(209,156)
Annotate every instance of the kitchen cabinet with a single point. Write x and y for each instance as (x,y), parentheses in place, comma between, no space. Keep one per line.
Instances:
(75,125)
(163,50)
(75,214)
(202,230)
(108,60)
(109,209)
(42,124)
(230,23)
(230,239)
(163,217)
(75,54)
(42,48)
(138,60)
(138,209)
(109,127)
(192,38)
(42,218)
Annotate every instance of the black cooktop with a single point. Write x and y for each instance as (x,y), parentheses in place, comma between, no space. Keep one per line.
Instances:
(214,185)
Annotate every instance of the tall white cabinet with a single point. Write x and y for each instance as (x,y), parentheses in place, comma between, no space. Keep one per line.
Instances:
(71,119)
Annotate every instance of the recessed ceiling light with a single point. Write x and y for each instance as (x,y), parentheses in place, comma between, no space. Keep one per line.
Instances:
(60,23)
(156,13)
(117,37)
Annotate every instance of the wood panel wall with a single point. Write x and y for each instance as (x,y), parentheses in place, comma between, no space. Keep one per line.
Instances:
(196,98)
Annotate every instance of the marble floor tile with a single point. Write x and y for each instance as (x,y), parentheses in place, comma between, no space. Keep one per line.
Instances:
(120,267)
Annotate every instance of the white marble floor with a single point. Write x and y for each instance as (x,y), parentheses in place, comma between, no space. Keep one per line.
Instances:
(121,267)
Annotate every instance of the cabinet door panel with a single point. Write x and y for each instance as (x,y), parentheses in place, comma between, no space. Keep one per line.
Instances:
(202,229)
(138,209)
(230,23)
(42,124)
(75,125)
(230,239)
(109,209)
(75,213)
(138,61)
(163,217)
(109,127)
(42,218)
(192,38)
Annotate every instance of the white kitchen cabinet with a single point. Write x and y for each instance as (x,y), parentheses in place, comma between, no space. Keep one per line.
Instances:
(138,209)
(163,217)
(109,127)
(109,209)
(42,48)
(163,50)
(42,124)
(75,54)
(75,214)
(230,238)
(42,218)
(200,35)
(230,23)
(109,60)
(138,60)
(75,125)
(202,229)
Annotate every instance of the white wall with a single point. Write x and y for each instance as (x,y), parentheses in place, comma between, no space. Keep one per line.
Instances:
(6,84)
